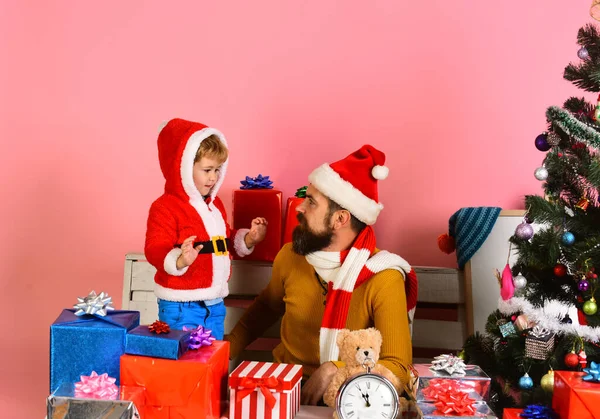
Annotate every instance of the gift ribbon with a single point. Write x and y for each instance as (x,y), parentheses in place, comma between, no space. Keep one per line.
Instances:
(248,385)
(159,327)
(438,387)
(259,182)
(455,402)
(450,396)
(537,411)
(301,192)
(539,332)
(94,304)
(97,386)
(199,337)
(593,373)
(453,365)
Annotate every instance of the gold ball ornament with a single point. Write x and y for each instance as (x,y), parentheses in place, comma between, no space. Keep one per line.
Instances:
(547,381)
(590,307)
(462,355)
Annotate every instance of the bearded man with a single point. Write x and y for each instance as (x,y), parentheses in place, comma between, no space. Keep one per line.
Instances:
(333,277)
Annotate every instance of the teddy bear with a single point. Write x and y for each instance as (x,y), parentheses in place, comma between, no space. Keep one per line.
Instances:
(356,346)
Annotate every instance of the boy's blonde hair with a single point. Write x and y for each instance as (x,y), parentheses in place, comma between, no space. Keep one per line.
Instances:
(213,148)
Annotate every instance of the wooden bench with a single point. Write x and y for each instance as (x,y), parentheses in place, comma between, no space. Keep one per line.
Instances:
(440,324)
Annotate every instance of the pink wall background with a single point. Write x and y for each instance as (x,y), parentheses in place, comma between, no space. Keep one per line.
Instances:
(453,92)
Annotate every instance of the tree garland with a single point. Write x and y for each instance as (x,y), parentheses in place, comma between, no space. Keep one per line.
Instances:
(573,127)
(548,317)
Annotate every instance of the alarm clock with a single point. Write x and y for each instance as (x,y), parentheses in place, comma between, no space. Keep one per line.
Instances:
(367,395)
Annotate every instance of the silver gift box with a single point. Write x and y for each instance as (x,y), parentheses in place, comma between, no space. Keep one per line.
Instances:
(482,411)
(62,404)
(475,382)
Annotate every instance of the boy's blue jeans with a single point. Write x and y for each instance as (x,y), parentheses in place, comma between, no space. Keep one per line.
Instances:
(193,314)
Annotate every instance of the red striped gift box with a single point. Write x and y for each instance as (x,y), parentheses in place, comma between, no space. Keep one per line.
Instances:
(264,390)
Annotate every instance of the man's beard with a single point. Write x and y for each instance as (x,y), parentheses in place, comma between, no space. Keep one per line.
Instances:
(304,241)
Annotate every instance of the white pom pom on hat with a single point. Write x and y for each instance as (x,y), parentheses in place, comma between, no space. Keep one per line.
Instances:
(380,172)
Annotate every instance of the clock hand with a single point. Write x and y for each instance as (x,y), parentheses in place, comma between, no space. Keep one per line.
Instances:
(366,398)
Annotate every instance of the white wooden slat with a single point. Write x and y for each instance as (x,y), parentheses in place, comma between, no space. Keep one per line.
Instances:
(440,285)
(143,296)
(438,334)
(142,276)
(127,285)
(148,310)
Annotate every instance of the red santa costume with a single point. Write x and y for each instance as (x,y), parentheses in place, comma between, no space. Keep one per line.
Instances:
(182,212)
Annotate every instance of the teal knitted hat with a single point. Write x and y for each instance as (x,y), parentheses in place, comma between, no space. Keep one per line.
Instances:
(468,228)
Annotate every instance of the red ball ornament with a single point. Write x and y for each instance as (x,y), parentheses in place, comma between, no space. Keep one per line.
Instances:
(571,360)
(560,270)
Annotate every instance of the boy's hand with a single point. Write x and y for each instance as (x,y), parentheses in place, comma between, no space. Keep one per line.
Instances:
(188,253)
(257,233)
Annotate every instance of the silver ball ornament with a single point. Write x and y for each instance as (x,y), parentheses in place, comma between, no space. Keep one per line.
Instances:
(583,53)
(541,173)
(524,231)
(519,281)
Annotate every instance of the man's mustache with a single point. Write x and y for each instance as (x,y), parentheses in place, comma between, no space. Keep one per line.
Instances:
(301,219)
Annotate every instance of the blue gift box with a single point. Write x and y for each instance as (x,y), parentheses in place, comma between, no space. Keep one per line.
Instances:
(141,341)
(82,344)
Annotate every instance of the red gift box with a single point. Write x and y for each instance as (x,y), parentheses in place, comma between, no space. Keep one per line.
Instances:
(512,414)
(290,218)
(251,203)
(266,390)
(575,398)
(191,387)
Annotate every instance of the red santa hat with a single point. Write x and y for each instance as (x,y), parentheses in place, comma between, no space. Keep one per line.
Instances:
(352,182)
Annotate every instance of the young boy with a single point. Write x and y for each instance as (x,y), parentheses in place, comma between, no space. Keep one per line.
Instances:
(188,239)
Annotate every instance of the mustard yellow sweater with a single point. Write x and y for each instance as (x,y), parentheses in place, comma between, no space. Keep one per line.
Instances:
(294,293)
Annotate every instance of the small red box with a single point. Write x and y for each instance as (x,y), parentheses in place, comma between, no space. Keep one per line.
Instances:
(290,218)
(512,414)
(193,386)
(252,382)
(251,203)
(575,398)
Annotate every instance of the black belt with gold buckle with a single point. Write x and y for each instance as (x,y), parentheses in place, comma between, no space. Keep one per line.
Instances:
(218,245)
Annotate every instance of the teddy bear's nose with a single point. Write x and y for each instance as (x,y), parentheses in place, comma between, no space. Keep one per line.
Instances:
(366,353)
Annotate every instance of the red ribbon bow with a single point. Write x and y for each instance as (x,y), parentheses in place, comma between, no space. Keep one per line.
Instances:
(249,384)
(159,327)
(457,402)
(450,396)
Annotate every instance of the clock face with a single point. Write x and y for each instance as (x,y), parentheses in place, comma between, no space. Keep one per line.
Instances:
(367,396)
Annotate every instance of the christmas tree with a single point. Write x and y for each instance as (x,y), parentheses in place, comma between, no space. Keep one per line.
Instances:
(531,334)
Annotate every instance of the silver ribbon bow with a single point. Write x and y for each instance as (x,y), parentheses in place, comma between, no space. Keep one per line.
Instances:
(94,304)
(539,332)
(453,365)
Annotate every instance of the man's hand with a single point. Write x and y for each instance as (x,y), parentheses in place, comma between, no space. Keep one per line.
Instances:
(257,233)
(315,387)
(188,253)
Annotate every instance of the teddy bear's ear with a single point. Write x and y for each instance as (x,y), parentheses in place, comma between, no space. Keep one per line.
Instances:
(342,334)
(376,336)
